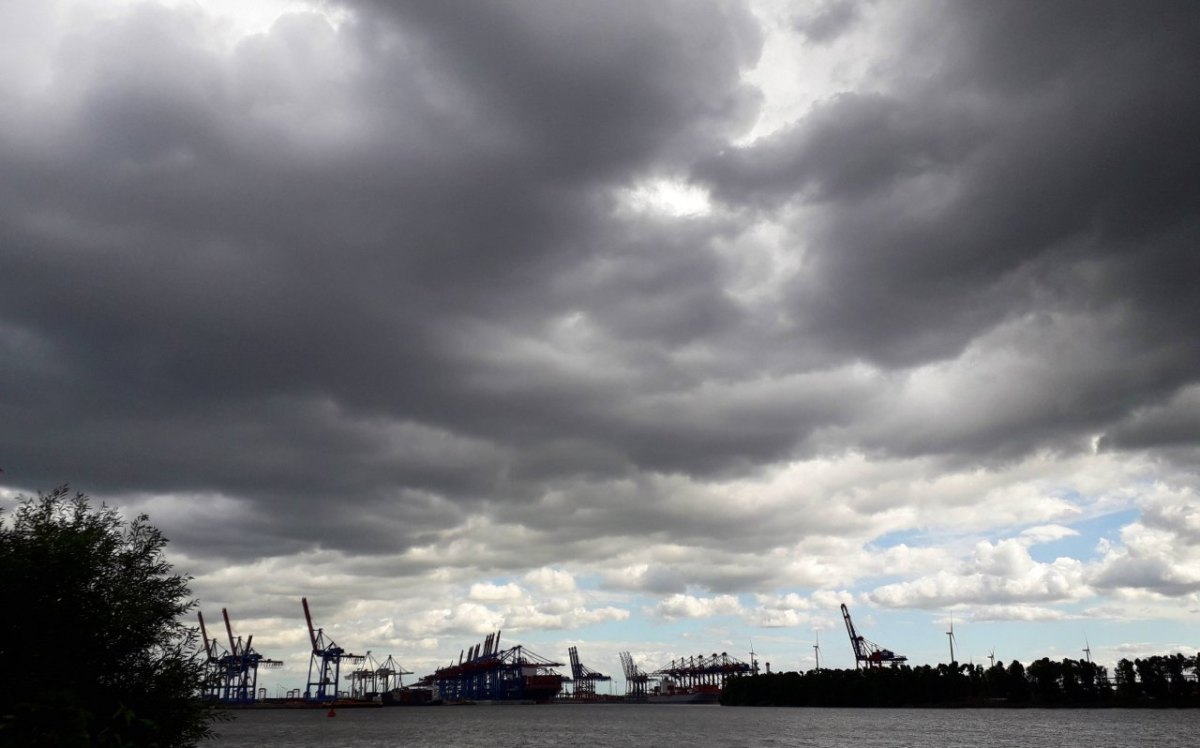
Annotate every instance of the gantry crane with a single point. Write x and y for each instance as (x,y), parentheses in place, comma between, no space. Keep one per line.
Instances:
(376,677)
(637,681)
(585,678)
(330,656)
(214,664)
(867,653)
(699,676)
(484,672)
(243,665)
(390,675)
(231,675)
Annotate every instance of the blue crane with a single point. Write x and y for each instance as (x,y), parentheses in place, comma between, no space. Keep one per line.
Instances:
(329,655)
(242,666)
(866,651)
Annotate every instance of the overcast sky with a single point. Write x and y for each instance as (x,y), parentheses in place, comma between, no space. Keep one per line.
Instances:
(651,326)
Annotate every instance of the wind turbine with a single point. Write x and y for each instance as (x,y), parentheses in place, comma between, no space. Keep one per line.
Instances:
(950,636)
(992,658)
(753,662)
(1087,648)
(817,648)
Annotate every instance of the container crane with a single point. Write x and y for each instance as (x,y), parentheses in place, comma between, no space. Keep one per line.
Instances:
(867,653)
(329,655)
(376,677)
(484,672)
(701,676)
(637,681)
(241,666)
(230,675)
(215,658)
(584,677)
(391,674)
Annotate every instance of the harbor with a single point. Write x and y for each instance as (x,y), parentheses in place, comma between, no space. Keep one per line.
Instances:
(484,673)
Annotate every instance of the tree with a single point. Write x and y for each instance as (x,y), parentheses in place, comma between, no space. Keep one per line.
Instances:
(92,648)
(1127,683)
(1046,676)
(1018,683)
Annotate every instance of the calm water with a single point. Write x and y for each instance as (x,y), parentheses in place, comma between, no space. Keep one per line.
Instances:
(648,726)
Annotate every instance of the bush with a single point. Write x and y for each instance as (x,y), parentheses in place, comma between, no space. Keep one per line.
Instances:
(92,649)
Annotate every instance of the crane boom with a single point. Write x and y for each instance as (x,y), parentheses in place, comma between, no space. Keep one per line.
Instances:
(856,642)
(312,634)
(208,650)
(326,661)
(866,651)
(229,630)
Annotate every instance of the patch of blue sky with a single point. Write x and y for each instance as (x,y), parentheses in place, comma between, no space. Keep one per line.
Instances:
(912,538)
(589,582)
(1084,545)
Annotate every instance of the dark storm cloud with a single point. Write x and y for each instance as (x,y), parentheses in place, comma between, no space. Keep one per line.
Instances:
(1046,167)
(1171,425)
(242,274)
(363,283)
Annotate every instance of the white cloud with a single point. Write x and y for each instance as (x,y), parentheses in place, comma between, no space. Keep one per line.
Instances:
(493,593)
(551,581)
(982,613)
(1047,533)
(996,573)
(690,606)
(669,197)
(1158,552)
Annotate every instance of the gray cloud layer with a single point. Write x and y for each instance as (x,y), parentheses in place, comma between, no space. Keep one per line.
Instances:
(351,288)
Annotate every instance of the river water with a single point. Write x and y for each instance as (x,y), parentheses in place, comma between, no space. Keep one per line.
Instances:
(693,726)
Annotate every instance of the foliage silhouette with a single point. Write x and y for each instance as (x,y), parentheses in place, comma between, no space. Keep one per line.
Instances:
(91,644)
(1159,681)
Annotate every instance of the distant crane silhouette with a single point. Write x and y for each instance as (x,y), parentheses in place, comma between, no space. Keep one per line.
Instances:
(326,661)
(867,651)
(637,681)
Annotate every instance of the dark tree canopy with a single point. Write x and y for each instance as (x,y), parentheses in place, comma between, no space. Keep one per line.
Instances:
(92,648)
(1158,681)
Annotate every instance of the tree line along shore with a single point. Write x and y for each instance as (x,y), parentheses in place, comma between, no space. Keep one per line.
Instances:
(1166,681)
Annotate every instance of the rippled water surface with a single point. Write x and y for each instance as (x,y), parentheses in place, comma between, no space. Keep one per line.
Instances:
(647,726)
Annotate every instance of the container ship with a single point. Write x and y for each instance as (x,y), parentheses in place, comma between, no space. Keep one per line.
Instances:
(672,693)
